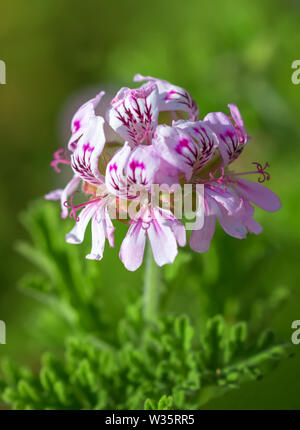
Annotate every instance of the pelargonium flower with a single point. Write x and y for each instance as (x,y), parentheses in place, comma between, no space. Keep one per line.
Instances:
(137,168)
(234,209)
(134,112)
(227,196)
(86,129)
(165,144)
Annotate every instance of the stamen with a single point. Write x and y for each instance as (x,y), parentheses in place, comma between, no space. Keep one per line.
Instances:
(220,180)
(265,176)
(74,208)
(261,171)
(142,133)
(59,157)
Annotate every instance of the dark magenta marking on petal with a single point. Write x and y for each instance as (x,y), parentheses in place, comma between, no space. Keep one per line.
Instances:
(170,94)
(136,117)
(113,167)
(183,143)
(134,164)
(88,147)
(183,146)
(76,125)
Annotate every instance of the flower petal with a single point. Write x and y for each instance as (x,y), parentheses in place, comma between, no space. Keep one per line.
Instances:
(186,145)
(162,239)
(177,148)
(228,141)
(81,120)
(167,174)
(253,226)
(232,135)
(134,113)
(176,226)
(109,229)
(133,246)
(85,158)
(102,228)
(206,140)
(142,165)
(98,239)
(238,123)
(76,235)
(115,178)
(63,195)
(172,97)
(225,197)
(258,194)
(230,224)
(200,239)
(245,212)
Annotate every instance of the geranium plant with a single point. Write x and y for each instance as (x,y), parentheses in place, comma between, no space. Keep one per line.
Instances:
(167,176)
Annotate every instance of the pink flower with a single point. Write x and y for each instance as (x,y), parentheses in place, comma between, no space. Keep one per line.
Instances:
(86,143)
(187,145)
(63,194)
(130,174)
(234,209)
(172,98)
(163,231)
(184,151)
(192,146)
(230,131)
(102,228)
(231,205)
(134,113)
(83,120)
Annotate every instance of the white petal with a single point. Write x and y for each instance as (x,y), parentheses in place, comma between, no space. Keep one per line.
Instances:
(206,140)
(109,229)
(85,158)
(115,178)
(176,147)
(142,165)
(176,226)
(81,119)
(134,113)
(76,235)
(133,246)
(172,97)
(162,239)
(230,131)
(98,238)
(63,194)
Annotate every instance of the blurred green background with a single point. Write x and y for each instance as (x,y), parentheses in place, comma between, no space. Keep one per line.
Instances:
(58,52)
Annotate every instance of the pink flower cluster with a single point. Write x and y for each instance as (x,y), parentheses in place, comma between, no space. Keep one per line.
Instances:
(162,142)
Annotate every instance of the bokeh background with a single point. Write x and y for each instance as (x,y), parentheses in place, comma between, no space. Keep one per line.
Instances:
(58,53)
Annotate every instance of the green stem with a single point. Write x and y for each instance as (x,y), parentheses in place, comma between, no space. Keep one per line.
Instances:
(152,285)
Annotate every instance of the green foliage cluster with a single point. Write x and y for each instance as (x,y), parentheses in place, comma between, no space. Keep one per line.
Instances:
(103,358)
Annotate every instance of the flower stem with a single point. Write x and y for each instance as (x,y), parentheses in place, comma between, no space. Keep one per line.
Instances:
(152,284)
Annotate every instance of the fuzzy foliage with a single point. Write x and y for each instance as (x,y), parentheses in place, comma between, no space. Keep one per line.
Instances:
(109,357)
